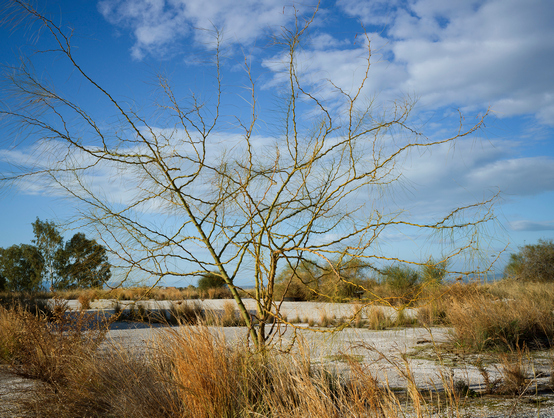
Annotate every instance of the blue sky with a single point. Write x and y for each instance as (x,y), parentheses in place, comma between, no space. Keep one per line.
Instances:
(467,55)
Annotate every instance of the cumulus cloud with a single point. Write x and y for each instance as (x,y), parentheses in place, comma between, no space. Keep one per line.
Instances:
(473,53)
(463,53)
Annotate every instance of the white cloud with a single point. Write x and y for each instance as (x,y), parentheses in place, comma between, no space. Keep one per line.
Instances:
(524,225)
(445,177)
(474,53)
(520,177)
(160,25)
(463,53)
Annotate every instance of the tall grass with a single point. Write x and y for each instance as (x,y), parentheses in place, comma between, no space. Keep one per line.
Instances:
(192,372)
(40,346)
(188,371)
(483,322)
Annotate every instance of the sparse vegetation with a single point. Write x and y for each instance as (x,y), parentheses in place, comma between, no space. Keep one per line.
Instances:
(42,347)
(193,372)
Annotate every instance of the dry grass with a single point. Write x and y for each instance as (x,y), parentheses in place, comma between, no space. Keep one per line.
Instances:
(128,293)
(193,372)
(85,299)
(41,347)
(481,322)
(186,312)
(377,320)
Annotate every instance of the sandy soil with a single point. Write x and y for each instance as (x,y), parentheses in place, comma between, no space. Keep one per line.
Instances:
(304,311)
(13,389)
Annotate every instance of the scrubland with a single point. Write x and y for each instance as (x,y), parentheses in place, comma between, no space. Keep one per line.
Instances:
(194,372)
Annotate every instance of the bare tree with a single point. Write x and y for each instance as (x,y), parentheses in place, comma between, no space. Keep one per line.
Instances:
(246,206)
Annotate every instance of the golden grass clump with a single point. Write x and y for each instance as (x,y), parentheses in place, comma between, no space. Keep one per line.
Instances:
(483,322)
(377,319)
(41,347)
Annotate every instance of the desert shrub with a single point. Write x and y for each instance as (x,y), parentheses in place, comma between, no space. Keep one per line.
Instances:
(533,263)
(298,283)
(210,281)
(85,299)
(433,273)
(340,281)
(402,283)
(346,280)
(294,289)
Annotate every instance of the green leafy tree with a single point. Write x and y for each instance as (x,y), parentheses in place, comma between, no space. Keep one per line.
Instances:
(48,241)
(82,263)
(533,263)
(210,280)
(21,266)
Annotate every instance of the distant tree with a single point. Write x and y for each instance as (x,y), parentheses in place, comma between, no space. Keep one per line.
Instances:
(433,273)
(299,281)
(2,282)
(21,266)
(533,263)
(403,283)
(210,280)
(82,263)
(48,241)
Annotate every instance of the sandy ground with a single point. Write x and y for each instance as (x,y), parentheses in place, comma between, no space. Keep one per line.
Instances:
(389,355)
(303,311)
(386,354)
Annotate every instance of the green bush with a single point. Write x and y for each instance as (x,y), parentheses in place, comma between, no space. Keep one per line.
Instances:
(533,263)
(210,281)
(402,283)
(433,273)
